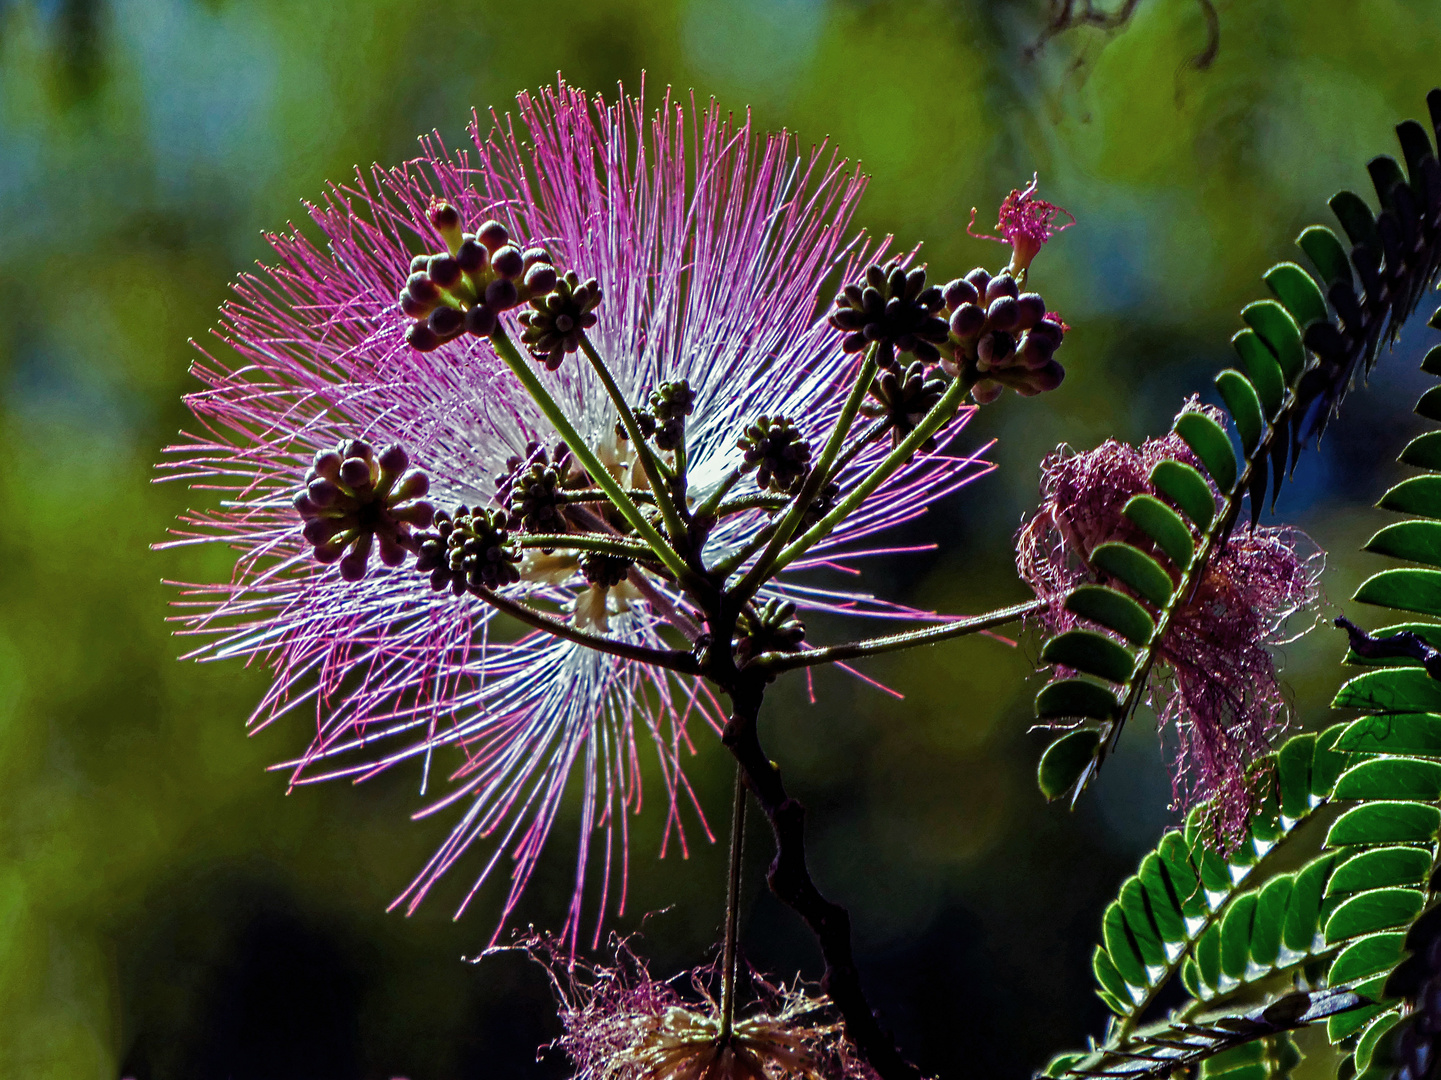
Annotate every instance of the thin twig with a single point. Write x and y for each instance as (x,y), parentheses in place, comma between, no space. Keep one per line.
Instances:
(673,659)
(776,662)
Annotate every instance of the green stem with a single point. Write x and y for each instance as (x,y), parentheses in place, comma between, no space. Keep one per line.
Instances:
(776,662)
(934,421)
(674,659)
(606,545)
(815,479)
(733,894)
(713,500)
(653,471)
(578,446)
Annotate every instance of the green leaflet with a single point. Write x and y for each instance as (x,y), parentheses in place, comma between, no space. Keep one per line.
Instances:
(1262,369)
(1209,443)
(1385,823)
(1163,525)
(1424,451)
(1392,690)
(1391,777)
(1113,610)
(1420,495)
(1134,568)
(1373,910)
(1417,734)
(1381,867)
(1187,488)
(1326,254)
(1297,292)
(1245,407)
(1412,541)
(1278,330)
(1068,699)
(1065,760)
(1091,653)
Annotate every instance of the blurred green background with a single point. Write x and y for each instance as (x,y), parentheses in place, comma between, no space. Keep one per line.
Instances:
(167,911)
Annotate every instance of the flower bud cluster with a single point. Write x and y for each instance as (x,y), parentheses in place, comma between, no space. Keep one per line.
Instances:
(773,627)
(531,488)
(662,417)
(1001,336)
(469,549)
(464,288)
(904,398)
(556,319)
(777,450)
(354,500)
(894,309)
(604,571)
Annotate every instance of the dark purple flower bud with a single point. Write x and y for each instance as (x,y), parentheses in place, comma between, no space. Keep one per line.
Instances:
(480,320)
(1003,314)
(979,278)
(1034,352)
(322,492)
(326,464)
(352,567)
(447,321)
(419,513)
(419,263)
(930,298)
(472,255)
(994,348)
(421,337)
(446,220)
(1049,377)
(355,473)
(1001,285)
(493,235)
(318,531)
(422,287)
(967,320)
(329,551)
(409,305)
(413,486)
(958,292)
(501,294)
(847,318)
(1050,331)
(534,255)
(357,448)
(507,262)
(853,343)
(444,270)
(540,278)
(302,503)
(1032,310)
(986,391)
(394,460)
(391,553)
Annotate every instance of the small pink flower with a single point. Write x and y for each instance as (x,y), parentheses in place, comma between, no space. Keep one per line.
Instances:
(1216,683)
(1026,223)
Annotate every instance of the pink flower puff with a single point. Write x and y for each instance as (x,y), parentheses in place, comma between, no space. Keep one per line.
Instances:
(711,247)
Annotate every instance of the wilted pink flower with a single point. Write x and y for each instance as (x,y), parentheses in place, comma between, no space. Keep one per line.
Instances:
(621,1024)
(1216,686)
(1026,223)
(710,247)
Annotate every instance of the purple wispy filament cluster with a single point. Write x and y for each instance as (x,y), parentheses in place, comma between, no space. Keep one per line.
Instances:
(711,246)
(1216,686)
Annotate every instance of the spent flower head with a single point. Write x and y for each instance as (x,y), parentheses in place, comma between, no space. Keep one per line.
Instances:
(1217,689)
(621,1024)
(699,251)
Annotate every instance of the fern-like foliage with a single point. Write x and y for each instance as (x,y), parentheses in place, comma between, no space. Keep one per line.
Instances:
(1300,352)
(1262,940)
